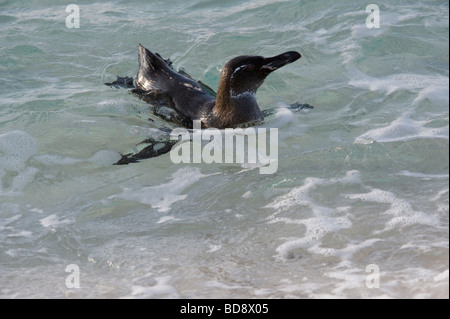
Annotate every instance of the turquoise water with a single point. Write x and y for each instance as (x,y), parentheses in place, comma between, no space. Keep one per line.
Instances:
(362,178)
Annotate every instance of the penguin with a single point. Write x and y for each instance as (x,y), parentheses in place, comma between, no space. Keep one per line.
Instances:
(234,105)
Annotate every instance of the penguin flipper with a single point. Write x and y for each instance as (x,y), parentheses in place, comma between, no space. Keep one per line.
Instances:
(300,106)
(122,82)
(155,149)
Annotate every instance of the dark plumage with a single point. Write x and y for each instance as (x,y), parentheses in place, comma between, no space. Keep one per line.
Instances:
(187,100)
(235,103)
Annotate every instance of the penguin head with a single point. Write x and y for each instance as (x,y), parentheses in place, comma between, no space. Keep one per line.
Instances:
(245,74)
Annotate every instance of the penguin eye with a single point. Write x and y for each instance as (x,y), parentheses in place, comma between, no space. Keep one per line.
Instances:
(250,67)
(243,68)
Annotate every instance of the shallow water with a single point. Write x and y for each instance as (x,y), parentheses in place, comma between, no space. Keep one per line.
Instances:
(362,178)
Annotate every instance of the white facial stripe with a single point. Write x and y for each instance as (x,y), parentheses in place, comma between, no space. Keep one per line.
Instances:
(238,69)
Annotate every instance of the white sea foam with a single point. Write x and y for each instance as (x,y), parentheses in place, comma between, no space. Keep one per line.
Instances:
(325,219)
(247,194)
(433,87)
(300,195)
(402,212)
(6,221)
(161,289)
(52,221)
(37,210)
(213,248)
(162,197)
(165,219)
(422,175)
(21,233)
(403,128)
(442,276)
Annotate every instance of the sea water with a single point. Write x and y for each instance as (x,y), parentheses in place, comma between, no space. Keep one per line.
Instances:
(358,206)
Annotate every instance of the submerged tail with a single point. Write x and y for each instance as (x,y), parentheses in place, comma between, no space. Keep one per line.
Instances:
(154,61)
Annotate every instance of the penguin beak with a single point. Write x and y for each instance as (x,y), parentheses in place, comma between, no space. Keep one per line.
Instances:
(276,62)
